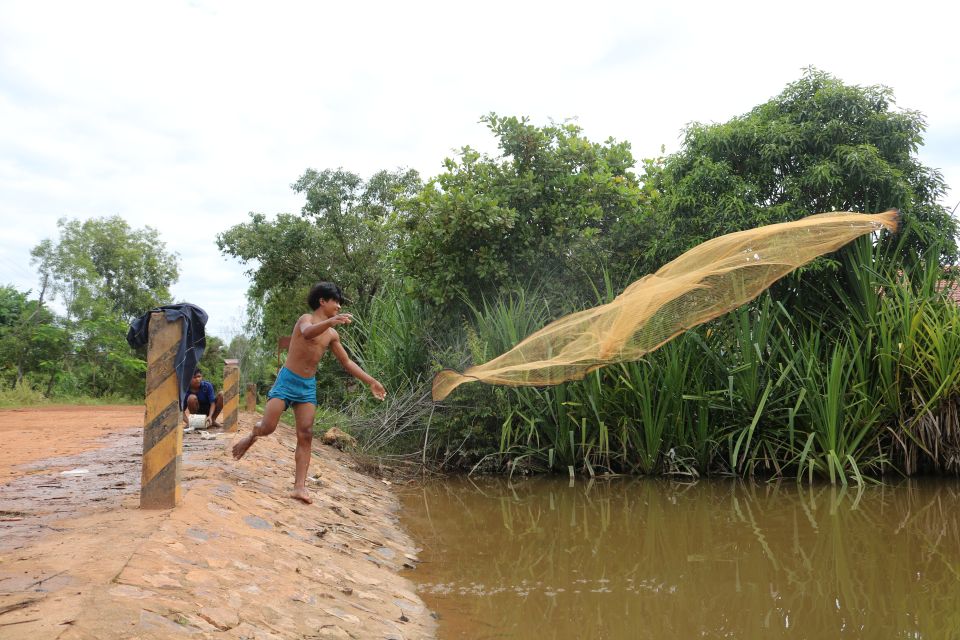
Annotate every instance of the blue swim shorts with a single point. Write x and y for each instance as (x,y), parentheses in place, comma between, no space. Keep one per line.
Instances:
(294,389)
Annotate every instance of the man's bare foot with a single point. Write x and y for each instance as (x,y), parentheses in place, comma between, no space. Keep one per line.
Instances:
(242,445)
(301,494)
(216,425)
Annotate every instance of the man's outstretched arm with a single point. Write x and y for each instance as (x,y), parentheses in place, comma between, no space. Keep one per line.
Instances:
(355,370)
(313,329)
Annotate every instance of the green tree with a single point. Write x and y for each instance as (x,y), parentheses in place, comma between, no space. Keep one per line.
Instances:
(101,362)
(12,303)
(286,254)
(551,209)
(104,259)
(821,145)
(258,361)
(212,362)
(106,274)
(32,342)
(359,220)
(346,233)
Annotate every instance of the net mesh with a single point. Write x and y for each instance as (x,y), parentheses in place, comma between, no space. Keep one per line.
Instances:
(703,283)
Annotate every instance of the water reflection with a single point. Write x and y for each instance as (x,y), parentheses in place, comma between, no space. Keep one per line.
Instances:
(657,559)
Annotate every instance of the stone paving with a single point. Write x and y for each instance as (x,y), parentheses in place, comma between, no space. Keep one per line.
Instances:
(237,559)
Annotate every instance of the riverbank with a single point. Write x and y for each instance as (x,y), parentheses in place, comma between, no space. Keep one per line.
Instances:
(236,559)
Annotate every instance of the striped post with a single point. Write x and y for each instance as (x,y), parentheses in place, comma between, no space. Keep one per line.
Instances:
(231,394)
(251,397)
(162,431)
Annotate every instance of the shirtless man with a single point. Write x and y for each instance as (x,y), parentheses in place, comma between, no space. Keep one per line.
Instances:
(296,385)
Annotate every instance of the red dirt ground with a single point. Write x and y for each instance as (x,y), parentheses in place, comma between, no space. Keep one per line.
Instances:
(237,558)
(41,433)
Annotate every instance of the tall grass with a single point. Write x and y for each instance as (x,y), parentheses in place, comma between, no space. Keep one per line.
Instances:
(23,394)
(839,413)
(861,382)
(388,340)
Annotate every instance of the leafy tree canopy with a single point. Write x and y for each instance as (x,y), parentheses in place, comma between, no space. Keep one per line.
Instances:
(104,259)
(285,254)
(12,302)
(31,341)
(359,220)
(345,233)
(549,210)
(821,145)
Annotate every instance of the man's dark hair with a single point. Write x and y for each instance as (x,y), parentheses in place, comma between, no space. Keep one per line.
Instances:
(323,291)
(197,370)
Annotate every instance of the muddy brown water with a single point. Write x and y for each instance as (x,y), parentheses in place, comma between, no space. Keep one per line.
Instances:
(621,558)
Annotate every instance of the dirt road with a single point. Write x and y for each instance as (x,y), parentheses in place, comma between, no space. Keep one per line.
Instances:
(47,433)
(237,559)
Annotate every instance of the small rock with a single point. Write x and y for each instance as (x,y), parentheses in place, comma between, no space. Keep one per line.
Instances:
(343,615)
(220,617)
(130,591)
(332,632)
(305,598)
(385,552)
(257,522)
(334,437)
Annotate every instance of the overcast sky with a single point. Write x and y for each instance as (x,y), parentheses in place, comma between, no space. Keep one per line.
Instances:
(185,116)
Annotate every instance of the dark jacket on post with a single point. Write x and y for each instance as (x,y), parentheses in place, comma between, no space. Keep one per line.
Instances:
(192,342)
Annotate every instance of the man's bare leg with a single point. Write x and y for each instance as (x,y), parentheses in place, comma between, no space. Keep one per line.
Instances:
(217,408)
(266,426)
(305,414)
(192,405)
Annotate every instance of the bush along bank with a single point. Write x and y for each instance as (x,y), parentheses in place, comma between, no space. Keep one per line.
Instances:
(849,383)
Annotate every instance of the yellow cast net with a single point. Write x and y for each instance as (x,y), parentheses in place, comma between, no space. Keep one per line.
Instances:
(703,283)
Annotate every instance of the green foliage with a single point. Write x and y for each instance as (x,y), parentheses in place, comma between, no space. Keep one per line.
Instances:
(848,371)
(359,223)
(551,209)
(819,146)
(395,341)
(843,396)
(32,342)
(480,414)
(101,362)
(346,234)
(257,361)
(22,394)
(103,259)
(87,356)
(212,362)
(840,417)
(289,256)
(389,341)
(106,275)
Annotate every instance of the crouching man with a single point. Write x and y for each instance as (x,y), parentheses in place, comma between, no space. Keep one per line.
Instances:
(202,399)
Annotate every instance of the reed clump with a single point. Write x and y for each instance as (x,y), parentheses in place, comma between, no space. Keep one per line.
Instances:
(848,383)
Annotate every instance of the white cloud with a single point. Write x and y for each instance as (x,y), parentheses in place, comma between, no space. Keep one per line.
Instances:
(186,115)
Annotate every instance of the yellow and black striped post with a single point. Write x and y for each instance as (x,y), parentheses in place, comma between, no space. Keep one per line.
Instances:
(251,397)
(162,432)
(231,394)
